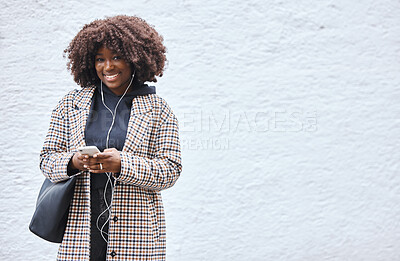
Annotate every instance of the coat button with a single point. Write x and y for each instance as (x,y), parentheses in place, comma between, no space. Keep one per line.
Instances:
(117,182)
(113,253)
(115,219)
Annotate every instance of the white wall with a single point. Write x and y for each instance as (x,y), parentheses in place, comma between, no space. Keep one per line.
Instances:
(298,101)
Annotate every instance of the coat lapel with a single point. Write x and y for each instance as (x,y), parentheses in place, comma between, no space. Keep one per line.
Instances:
(138,122)
(79,115)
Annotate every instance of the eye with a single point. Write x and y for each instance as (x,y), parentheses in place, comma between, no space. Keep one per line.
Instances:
(99,59)
(117,57)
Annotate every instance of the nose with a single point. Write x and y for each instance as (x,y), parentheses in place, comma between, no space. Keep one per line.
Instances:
(108,65)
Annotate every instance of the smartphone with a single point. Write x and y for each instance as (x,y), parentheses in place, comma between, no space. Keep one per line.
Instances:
(88,150)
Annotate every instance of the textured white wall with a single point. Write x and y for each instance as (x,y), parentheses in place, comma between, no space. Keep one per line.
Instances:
(289,114)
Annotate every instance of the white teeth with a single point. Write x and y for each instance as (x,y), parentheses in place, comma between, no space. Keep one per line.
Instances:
(111,76)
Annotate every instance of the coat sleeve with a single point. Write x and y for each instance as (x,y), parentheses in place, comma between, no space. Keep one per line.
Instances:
(160,172)
(54,157)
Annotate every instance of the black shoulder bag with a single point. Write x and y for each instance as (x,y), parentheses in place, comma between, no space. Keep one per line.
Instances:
(52,208)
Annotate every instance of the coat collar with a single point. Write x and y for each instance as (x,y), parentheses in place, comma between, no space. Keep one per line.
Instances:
(83,100)
(139,119)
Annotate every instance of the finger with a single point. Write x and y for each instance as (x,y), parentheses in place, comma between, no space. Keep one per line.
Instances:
(96,154)
(83,158)
(98,168)
(95,165)
(104,155)
(80,156)
(92,161)
(78,161)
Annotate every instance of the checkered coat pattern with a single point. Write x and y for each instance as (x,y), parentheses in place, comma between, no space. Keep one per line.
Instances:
(150,162)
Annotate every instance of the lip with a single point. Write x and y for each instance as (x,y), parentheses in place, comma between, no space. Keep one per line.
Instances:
(111,77)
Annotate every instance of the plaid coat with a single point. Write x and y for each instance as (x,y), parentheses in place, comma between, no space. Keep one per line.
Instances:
(150,162)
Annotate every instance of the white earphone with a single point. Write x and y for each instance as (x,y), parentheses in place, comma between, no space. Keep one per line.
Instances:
(109,181)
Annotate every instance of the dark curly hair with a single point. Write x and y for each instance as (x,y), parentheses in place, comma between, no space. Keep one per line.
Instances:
(131,37)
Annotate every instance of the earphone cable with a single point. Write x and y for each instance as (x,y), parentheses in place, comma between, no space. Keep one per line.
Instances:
(108,209)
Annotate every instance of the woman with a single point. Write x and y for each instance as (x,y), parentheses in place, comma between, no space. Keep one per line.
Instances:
(116,212)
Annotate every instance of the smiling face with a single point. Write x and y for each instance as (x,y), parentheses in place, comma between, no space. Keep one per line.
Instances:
(112,70)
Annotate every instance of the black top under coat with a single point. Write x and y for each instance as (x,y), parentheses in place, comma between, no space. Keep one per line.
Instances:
(100,119)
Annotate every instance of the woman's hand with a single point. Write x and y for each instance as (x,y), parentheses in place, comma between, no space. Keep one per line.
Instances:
(78,161)
(107,161)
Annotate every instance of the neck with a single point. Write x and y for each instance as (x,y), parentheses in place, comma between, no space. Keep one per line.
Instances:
(119,92)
